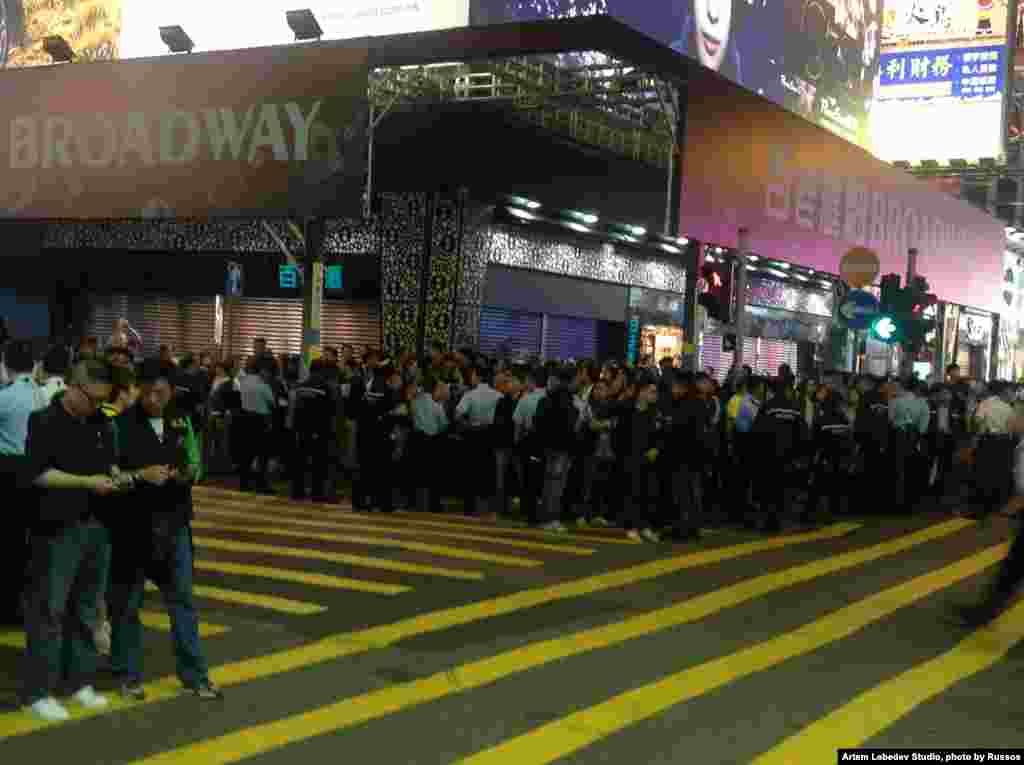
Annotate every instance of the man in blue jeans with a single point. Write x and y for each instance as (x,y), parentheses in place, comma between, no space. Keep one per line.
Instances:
(151,535)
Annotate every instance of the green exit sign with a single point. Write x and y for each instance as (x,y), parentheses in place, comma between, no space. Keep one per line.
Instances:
(290,277)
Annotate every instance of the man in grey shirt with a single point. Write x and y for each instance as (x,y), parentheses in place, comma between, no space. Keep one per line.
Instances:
(254,424)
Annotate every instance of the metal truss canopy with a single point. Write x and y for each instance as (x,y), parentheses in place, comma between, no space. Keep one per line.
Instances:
(587,96)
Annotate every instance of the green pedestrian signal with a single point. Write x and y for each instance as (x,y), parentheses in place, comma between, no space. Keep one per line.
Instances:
(884,328)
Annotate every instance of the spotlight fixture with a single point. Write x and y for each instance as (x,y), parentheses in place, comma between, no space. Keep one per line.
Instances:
(589,218)
(521,214)
(683,241)
(527,203)
(577,227)
(719,250)
(304,24)
(57,48)
(670,248)
(176,40)
(636,230)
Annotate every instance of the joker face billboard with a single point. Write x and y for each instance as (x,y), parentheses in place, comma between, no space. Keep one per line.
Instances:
(818,58)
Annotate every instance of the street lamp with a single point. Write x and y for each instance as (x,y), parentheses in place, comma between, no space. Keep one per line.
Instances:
(304,24)
(176,40)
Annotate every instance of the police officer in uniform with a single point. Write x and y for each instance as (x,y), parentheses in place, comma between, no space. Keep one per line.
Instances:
(314,407)
(778,432)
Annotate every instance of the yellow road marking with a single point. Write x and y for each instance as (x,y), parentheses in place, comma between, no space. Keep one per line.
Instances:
(413,519)
(876,709)
(154,620)
(301,577)
(400,544)
(352,560)
(350,521)
(268,602)
(376,704)
(573,732)
(355,643)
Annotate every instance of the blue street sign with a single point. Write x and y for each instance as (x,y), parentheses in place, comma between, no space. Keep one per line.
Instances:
(859,309)
(333,278)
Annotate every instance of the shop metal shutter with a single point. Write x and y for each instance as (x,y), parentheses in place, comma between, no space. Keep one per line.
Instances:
(184,324)
(279,321)
(775,353)
(347,323)
(104,311)
(568,337)
(712,355)
(502,329)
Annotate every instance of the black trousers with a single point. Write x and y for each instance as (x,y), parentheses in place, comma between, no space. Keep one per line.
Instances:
(252,439)
(1011,573)
(827,480)
(428,456)
(533,483)
(311,455)
(14,523)
(374,484)
(478,456)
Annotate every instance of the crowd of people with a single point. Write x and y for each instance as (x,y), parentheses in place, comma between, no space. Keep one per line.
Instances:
(102,447)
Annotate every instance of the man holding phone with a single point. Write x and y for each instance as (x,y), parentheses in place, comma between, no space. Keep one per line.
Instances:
(151,533)
(70,460)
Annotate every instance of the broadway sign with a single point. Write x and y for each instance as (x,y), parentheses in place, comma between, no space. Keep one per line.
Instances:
(260,132)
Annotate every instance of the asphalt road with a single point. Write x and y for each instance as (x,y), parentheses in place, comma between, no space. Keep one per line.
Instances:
(440,639)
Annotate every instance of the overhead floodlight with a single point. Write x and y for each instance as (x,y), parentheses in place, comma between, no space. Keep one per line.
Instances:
(636,230)
(577,227)
(782,265)
(176,40)
(589,218)
(752,257)
(801,277)
(824,283)
(670,248)
(1010,229)
(304,24)
(521,214)
(57,48)
(710,258)
(683,241)
(719,250)
(527,203)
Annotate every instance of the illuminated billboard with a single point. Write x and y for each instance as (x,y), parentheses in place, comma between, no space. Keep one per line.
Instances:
(818,58)
(106,29)
(942,80)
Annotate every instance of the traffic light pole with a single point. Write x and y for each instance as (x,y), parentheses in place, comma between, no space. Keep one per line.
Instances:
(906,357)
(741,297)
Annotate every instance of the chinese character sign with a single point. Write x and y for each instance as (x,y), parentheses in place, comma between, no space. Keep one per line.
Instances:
(971,72)
(289,277)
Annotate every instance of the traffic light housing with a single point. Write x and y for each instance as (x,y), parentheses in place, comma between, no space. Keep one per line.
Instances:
(717,296)
(918,325)
(887,326)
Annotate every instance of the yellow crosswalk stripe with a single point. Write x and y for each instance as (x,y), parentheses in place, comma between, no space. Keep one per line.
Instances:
(351,521)
(301,577)
(400,544)
(573,732)
(382,564)
(154,620)
(442,521)
(873,711)
(268,602)
(344,645)
(376,704)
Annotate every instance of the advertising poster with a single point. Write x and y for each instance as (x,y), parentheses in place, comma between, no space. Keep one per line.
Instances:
(106,29)
(818,58)
(809,197)
(266,132)
(943,64)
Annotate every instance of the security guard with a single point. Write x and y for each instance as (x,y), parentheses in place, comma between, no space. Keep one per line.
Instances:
(71,461)
(314,408)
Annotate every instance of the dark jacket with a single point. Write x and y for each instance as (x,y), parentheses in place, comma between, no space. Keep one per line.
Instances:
(687,431)
(636,434)
(138,447)
(780,427)
(504,427)
(556,421)
(832,432)
(873,419)
(316,406)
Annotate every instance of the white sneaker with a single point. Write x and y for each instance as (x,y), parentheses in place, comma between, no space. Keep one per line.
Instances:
(89,699)
(634,535)
(50,710)
(650,535)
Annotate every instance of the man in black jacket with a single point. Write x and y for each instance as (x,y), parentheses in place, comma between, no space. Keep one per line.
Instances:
(687,420)
(314,412)
(557,422)
(778,433)
(152,536)
(70,458)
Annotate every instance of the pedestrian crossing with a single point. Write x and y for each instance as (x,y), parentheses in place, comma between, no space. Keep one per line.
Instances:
(151,620)
(687,599)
